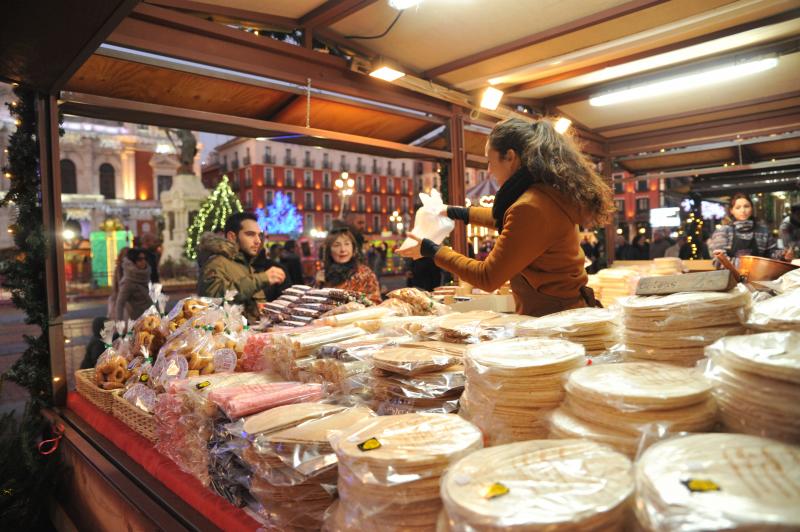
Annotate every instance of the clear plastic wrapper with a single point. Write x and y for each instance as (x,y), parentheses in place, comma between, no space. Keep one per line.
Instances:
(596,329)
(184,417)
(428,220)
(437,391)
(471,327)
(141,396)
(412,361)
(633,386)
(779,313)
(187,309)
(148,334)
(238,401)
(111,370)
(755,380)
(539,485)
(420,301)
(390,468)
(398,307)
(789,281)
(394,325)
(513,385)
(718,482)
(686,310)
(683,347)
(349,318)
(342,309)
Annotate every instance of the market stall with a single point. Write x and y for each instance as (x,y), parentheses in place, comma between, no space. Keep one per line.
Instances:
(342,414)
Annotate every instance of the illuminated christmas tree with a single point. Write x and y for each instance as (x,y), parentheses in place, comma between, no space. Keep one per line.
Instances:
(281,217)
(222,202)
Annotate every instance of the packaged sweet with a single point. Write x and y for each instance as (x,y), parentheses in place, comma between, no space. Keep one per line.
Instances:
(111,369)
(421,302)
(428,220)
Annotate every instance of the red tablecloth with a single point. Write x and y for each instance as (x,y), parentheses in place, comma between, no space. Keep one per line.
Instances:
(213,507)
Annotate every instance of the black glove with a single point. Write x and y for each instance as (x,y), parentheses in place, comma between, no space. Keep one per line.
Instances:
(427,248)
(458,213)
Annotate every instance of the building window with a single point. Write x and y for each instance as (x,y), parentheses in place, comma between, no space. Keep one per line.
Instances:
(307,162)
(308,204)
(389,169)
(268,155)
(360,183)
(164,183)
(309,222)
(376,224)
(619,188)
(360,203)
(107,181)
(248,177)
(326,163)
(326,201)
(327,220)
(482,175)
(376,203)
(641,185)
(247,156)
(376,184)
(289,178)
(268,196)
(391,204)
(69,177)
(390,185)
(290,195)
(269,177)
(404,205)
(404,186)
(326,180)
(642,204)
(403,169)
(308,179)
(248,199)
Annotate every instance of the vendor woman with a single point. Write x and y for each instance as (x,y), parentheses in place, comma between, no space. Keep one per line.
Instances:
(344,269)
(547,189)
(742,234)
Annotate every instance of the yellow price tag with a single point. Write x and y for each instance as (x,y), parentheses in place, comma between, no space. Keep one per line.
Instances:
(700,485)
(369,445)
(495,490)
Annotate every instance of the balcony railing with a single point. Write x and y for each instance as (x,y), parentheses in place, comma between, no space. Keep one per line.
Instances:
(376,169)
(344,167)
(246,161)
(235,164)
(326,165)
(308,163)
(289,161)
(268,159)
(361,168)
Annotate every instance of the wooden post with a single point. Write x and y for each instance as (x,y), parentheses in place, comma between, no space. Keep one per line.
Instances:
(456,176)
(611,233)
(50,170)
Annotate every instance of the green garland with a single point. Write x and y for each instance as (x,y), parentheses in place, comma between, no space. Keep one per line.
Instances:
(24,274)
(27,478)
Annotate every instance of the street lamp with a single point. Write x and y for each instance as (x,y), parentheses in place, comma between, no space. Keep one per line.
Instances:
(344,184)
(397,220)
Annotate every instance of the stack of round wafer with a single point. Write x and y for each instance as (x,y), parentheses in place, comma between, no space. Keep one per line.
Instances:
(594,328)
(667,266)
(756,381)
(390,467)
(719,482)
(539,485)
(677,327)
(619,403)
(779,313)
(292,463)
(615,283)
(513,385)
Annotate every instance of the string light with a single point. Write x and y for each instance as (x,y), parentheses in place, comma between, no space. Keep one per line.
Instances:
(220,204)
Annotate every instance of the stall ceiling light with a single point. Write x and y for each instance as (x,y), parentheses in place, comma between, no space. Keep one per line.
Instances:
(403,4)
(684,83)
(562,124)
(491,98)
(387,73)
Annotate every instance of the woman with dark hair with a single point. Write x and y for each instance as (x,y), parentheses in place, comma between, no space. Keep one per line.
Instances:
(743,235)
(547,189)
(134,289)
(344,270)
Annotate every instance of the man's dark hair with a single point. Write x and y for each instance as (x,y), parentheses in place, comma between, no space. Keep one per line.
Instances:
(135,253)
(289,245)
(234,221)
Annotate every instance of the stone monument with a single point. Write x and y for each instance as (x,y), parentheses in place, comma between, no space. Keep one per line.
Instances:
(181,203)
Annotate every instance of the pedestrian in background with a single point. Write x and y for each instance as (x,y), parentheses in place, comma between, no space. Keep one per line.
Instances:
(134,289)
(116,278)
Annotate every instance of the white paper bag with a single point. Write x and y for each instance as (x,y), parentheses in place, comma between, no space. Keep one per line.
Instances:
(428,222)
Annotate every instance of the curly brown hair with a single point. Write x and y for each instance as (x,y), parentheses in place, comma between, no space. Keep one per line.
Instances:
(554,158)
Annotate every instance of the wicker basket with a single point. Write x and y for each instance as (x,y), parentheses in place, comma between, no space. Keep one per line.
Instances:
(88,388)
(136,418)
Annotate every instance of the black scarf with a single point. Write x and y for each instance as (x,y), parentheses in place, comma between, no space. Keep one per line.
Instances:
(336,274)
(510,192)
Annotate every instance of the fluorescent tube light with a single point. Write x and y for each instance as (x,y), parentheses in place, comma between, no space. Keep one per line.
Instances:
(491,98)
(683,83)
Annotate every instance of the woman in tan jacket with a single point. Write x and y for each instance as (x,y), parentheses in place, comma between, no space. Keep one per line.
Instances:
(547,189)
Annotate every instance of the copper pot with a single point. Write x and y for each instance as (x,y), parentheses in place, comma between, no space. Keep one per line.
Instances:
(762,269)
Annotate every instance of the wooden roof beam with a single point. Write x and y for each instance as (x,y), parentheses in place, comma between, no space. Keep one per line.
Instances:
(550,33)
(767,123)
(241,15)
(741,28)
(172,34)
(167,116)
(332,11)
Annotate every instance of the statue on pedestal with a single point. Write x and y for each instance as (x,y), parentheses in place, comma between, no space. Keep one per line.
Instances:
(187,150)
